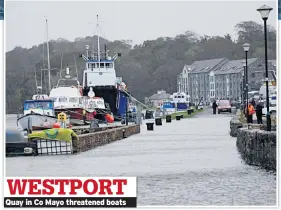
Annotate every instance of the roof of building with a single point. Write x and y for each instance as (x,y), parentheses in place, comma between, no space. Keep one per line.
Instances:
(160,96)
(188,67)
(220,65)
(204,66)
(234,66)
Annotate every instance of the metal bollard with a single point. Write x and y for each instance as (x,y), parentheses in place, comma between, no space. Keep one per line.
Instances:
(149,126)
(168,118)
(158,121)
(124,134)
(178,117)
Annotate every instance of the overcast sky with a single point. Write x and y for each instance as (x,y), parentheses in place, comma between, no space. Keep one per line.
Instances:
(137,21)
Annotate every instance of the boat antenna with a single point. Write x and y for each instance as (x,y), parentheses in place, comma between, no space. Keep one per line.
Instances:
(105,52)
(98,41)
(48,54)
(35,78)
(76,67)
(61,61)
(38,88)
(41,80)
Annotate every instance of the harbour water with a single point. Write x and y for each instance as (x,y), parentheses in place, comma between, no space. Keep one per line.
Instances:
(189,162)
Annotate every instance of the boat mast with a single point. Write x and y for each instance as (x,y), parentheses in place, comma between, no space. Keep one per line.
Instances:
(98,40)
(48,55)
(35,78)
(76,68)
(41,78)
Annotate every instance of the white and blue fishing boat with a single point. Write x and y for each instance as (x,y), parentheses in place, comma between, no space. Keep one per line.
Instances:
(100,80)
(39,112)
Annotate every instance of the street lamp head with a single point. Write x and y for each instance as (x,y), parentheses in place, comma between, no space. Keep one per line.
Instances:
(264,11)
(246,47)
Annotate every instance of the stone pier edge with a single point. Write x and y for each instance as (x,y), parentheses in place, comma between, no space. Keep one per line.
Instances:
(89,141)
(257,147)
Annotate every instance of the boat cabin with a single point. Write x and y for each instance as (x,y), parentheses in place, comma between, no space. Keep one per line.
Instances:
(99,73)
(94,103)
(180,98)
(44,107)
(66,97)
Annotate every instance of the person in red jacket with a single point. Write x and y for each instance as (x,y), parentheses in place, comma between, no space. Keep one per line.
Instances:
(251,112)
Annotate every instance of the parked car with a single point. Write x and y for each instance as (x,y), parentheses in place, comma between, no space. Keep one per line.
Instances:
(235,103)
(224,106)
(17,145)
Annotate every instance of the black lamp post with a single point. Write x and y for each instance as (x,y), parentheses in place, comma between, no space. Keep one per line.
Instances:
(246,48)
(264,11)
(243,90)
(244,85)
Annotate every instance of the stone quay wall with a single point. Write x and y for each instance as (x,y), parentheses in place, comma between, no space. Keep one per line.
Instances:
(235,124)
(90,141)
(257,147)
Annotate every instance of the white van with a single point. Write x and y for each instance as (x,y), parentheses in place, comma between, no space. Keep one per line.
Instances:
(272,105)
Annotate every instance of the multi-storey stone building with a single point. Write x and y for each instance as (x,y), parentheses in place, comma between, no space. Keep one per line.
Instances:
(221,78)
(182,80)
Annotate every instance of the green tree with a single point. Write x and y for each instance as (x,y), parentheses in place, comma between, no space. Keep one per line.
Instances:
(145,68)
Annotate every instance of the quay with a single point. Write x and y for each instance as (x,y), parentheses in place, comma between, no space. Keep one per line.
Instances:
(195,156)
(78,139)
(83,138)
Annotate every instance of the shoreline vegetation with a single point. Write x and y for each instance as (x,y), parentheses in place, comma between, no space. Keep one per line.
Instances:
(155,63)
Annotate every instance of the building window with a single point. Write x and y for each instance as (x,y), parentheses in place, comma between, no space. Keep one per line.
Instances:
(211,78)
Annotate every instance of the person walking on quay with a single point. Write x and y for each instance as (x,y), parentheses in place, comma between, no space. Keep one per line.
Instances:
(214,106)
(259,108)
(251,111)
(253,102)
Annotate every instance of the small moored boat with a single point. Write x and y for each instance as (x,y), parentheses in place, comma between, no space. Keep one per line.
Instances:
(39,112)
